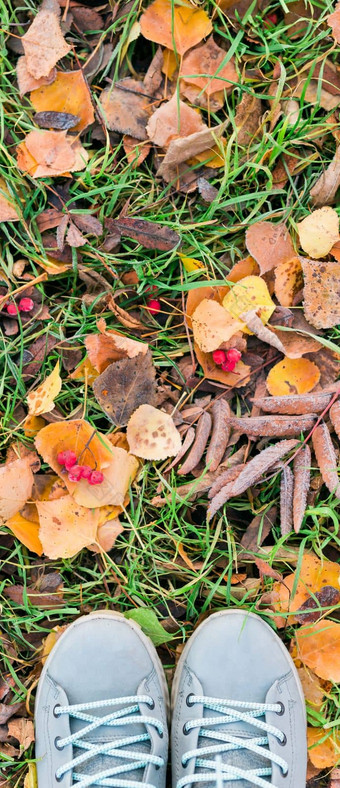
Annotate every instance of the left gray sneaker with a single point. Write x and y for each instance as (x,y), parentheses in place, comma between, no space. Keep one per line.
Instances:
(239,715)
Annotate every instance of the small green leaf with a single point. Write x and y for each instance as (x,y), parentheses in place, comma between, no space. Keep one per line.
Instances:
(150,625)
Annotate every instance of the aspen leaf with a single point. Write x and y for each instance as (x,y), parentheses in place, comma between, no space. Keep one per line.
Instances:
(313,576)
(321,292)
(170,63)
(190,264)
(41,400)
(109,346)
(44,44)
(136,151)
(212,325)
(66,527)
(27,82)
(318,647)
(152,435)
(31,780)
(126,108)
(33,425)
(333,20)
(8,211)
(312,688)
(319,231)
(269,244)
(106,535)
(47,153)
(197,294)
(250,293)
(85,371)
(246,267)
(323,747)
(171,120)
(288,281)
(67,93)
(16,482)
(292,376)
(175,26)
(206,61)
(26,531)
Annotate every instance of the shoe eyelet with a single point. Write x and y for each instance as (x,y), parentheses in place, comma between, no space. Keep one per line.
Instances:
(57,706)
(284,741)
(185,730)
(157,767)
(152,704)
(188,701)
(56,740)
(282,709)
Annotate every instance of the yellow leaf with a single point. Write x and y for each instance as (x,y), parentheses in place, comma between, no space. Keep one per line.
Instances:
(170,64)
(292,376)
(288,281)
(246,267)
(51,640)
(314,575)
(250,293)
(68,93)
(42,399)
(318,646)
(16,482)
(152,434)
(133,35)
(212,325)
(26,531)
(177,27)
(190,264)
(65,526)
(32,425)
(312,689)
(323,747)
(85,371)
(319,231)
(8,211)
(31,780)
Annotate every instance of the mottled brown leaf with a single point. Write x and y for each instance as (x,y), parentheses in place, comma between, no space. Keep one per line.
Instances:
(148,234)
(88,224)
(220,412)
(266,570)
(269,244)
(326,458)
(294,404)
(258,529)
(55,120)
(248,118)
(273,425)
(301,470)
(255,325)
(327,598)
(124,386)
(184,148)
(286,500)
(326,187)
(126,108)
(197,450)
(44,44)
(321,292)
(125,318)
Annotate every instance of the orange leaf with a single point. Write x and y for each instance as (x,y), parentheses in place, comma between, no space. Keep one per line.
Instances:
(33,425)
(246,267)
(8,211)
(106,535)
(44,44)
(66,526)
(239,377)
(136,151)
(68,93)
(85,371)
(269,244)
(312,688)
(197,295)
(323,748)
(333,20)
(26,531)
(206,60)
(313,576)
(292,376)
(16,482)
(170,63)
(173,119)
(212,325)
(319,647)
(110,345)
(27,82)
(321,299)
(175,27)
(288,281)
(47,153)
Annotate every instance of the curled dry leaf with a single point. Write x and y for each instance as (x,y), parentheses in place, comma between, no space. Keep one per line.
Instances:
(16,482)
(292,376)
(182,149)
(66,527)
(68,93)
(44,44)
(318,647)
(171,120)
(126,108)
(152,434)
(269,244)
(326,187)
(301,469)
(177,27)
(286,500)
(135,150)
(258,529)
(198,447)
(208,62)
(323,747)
(273,425)
(220,412)
(265,334)
(326,458)
(288,281)
(321,292)
(188,441)
(124,386)
(249,294)
(41,400)
(319,231)
(47,153)
(148,234)
(294,404)
(212,325)
(27,82)
(110,345)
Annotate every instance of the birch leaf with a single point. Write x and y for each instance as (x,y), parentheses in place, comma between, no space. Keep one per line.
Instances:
(292,376)
(41,400)
(16,482)
(44,44)
(152,434)
(177,27)
(66,527)
(319,231)
(319,648)
(269,244)
(212,325)
(301,470)
(326,458)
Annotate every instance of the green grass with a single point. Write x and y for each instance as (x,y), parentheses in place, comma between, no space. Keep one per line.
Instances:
(145,568)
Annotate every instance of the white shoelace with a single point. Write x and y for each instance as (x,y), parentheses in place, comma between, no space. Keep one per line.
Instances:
(128,715)
(216,771)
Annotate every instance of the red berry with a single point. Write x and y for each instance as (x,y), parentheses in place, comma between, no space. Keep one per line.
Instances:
(154,306)
(228,366)
(12,309)
(75,473)
(25,305)
(61,457)
(70,459)
(86,471)
(271,19)
(233,355)
(219,357)
(97,477)
(151,289)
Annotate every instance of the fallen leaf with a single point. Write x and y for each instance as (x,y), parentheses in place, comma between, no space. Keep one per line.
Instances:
(324,190)
(27,82)
(302,469)
(190,263)
(208,62)
(125,318)
(55,120)
(26,531)
(107,534)
(68,93)
(172,120)
(239,377)
(335,779)
(182,149)
(320,605)
(31,780)
(288,281)
(220,412)
(124,386)
(323,747)
(273,425)
(319,648)
(258,529)
(313,690)
(319,231)
(16,482)
(86,19)
(148,234)
(248,294)
(269,244)
(48,153)
(266,570)
(22,730)
(177,27)
(313,576)
(321,292)
(286,500)
(8,210)
(265,334)
(109,346)
(326,458)
(294,404)
(212,325)
(199,445)
(135,150)
(41,400)
(85,371)
(44,44)
(292,376)
(126,108)
(248,118)
(333,20)
(246,267)
(148,622)
(152,434)
(74,237)
(65,527)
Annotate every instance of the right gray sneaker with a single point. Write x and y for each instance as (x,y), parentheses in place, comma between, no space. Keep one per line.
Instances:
(239,716)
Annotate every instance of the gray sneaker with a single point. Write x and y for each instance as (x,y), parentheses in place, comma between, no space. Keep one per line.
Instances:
(101,708)
(238,708)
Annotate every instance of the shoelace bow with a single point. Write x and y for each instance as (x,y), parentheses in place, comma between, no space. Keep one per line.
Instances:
(125,716)
(216,771)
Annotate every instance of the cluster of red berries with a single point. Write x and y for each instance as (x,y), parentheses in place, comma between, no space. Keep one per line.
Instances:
(153,304)
(227,359)
(76,472)
(24,305)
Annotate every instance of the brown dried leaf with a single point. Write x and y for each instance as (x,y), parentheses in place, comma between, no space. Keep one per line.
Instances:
(173,120)
(225,478)
(301,469)
(255,325)
(8,211)
(27,82)
(286,500)
(152,434)
(197,450)
(22,730)
(182,149)
(148,234)
(109,346)
(258,529)
(179,27)
(266,570)
(48,219)
(124,386)
(126,108)
(248,118)
(135,150)
(317,606)
(220,412)
(273,425)
(319,231)
(44,44)
(326,187)
(294,404)
(269,244)
(321,292)
(204,62)
(333,20)
(326,458)
(56,120)
(188,441)
(123,317)
(334,415)
(88,224)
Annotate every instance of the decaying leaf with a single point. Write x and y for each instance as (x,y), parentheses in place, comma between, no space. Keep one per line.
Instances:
(148,234)
(44,44)
(109,346)
(319,231)
(312,687)
(318,647)
(258,529)
(200,442)
(326,187)
(212,325)
(269,244)
(135,150)
(313,576)
(266,570)
(152,435)
(188,441)
(124,386)
(47,153)
(68,93)
(323,747)
(294,404)
(248,118)
(286,500)
(182,149)
(8,210)
(333,20)
(208,62)
(292,376)
(21,729)
(334,415)
(41,400)
(288,281)
(177,27)
(248,294)
(173,119)
(126,108)
(321,292)
(273,425)
(27,82)
(225,479)
(265,334)
(302,469)
(66,527)
(326,458)
(220,412)
(55,120)
(321,602)
(16,482)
